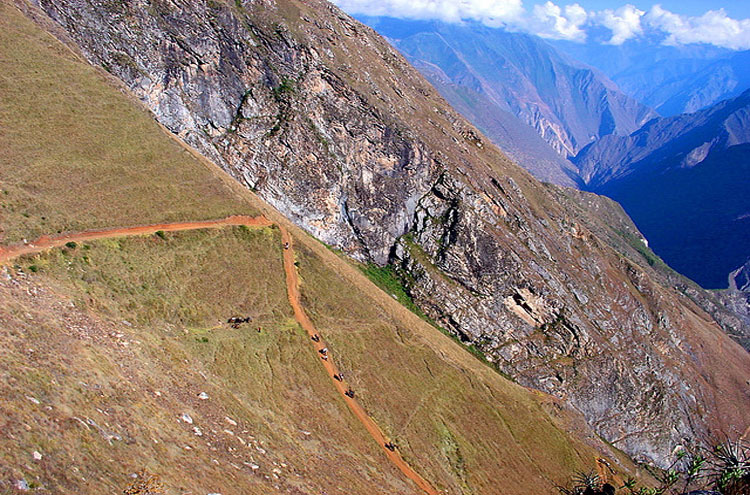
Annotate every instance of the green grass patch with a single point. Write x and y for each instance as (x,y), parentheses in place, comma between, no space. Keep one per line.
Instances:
(633,241)
(194,278)
(387,278)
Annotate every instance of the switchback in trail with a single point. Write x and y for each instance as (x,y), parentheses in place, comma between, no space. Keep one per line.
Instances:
(292,284)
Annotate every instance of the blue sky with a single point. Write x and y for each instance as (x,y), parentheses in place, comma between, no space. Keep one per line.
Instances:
(735,8)
(724,23)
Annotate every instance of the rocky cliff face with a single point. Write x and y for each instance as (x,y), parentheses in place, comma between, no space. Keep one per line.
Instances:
(328,123)
(737,299)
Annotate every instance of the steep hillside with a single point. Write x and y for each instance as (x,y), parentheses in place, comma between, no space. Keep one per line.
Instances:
(682,180)
(737,298)
(568,103)
(117,354)
(609,222)
(73,159)
(323,119)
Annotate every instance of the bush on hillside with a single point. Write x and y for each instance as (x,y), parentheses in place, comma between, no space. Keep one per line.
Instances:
(145,484)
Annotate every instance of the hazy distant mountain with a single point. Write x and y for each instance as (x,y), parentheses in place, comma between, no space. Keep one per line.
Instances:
(722,79)
(684,181)
(670,79)
(518,140)
(568,103)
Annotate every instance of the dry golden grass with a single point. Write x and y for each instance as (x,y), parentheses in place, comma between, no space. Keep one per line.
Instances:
(96,377)
(76,153)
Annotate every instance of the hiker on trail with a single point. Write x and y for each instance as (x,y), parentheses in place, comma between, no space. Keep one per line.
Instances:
(258,329)
(349,393)
(324,351)
(315,338)
(390,446)
(324,357)
(339,377)
(286,245)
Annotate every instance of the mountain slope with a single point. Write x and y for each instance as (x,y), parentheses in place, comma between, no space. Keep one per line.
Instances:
(568,103)
(682,179)
(117,355)
(41,165)
(328,123)
(726,78)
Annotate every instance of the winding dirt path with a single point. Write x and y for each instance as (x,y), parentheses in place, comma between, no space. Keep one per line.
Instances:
(292,285)
(292,289)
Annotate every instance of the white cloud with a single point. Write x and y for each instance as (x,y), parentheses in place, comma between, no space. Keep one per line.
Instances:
(714,27)
(491,12)
(625,23)
(550,21)
(570,22)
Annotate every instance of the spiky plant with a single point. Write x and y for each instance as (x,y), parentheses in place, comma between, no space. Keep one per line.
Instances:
(729,467)
(587,481)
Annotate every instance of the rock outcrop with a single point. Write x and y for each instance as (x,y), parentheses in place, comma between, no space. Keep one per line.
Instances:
(323,119)
(737,299)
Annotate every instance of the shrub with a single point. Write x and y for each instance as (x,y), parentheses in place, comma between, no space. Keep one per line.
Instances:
(145,484)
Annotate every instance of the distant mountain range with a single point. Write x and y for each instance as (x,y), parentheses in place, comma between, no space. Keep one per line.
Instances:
(681,178)
(490,73)
(519,140)
(684,181)
(670,79)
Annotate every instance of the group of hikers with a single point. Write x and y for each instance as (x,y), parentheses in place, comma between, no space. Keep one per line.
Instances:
(236,321)
(340,377)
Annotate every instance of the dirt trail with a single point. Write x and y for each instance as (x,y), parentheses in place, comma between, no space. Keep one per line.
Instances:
(292,285)
(48,242)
